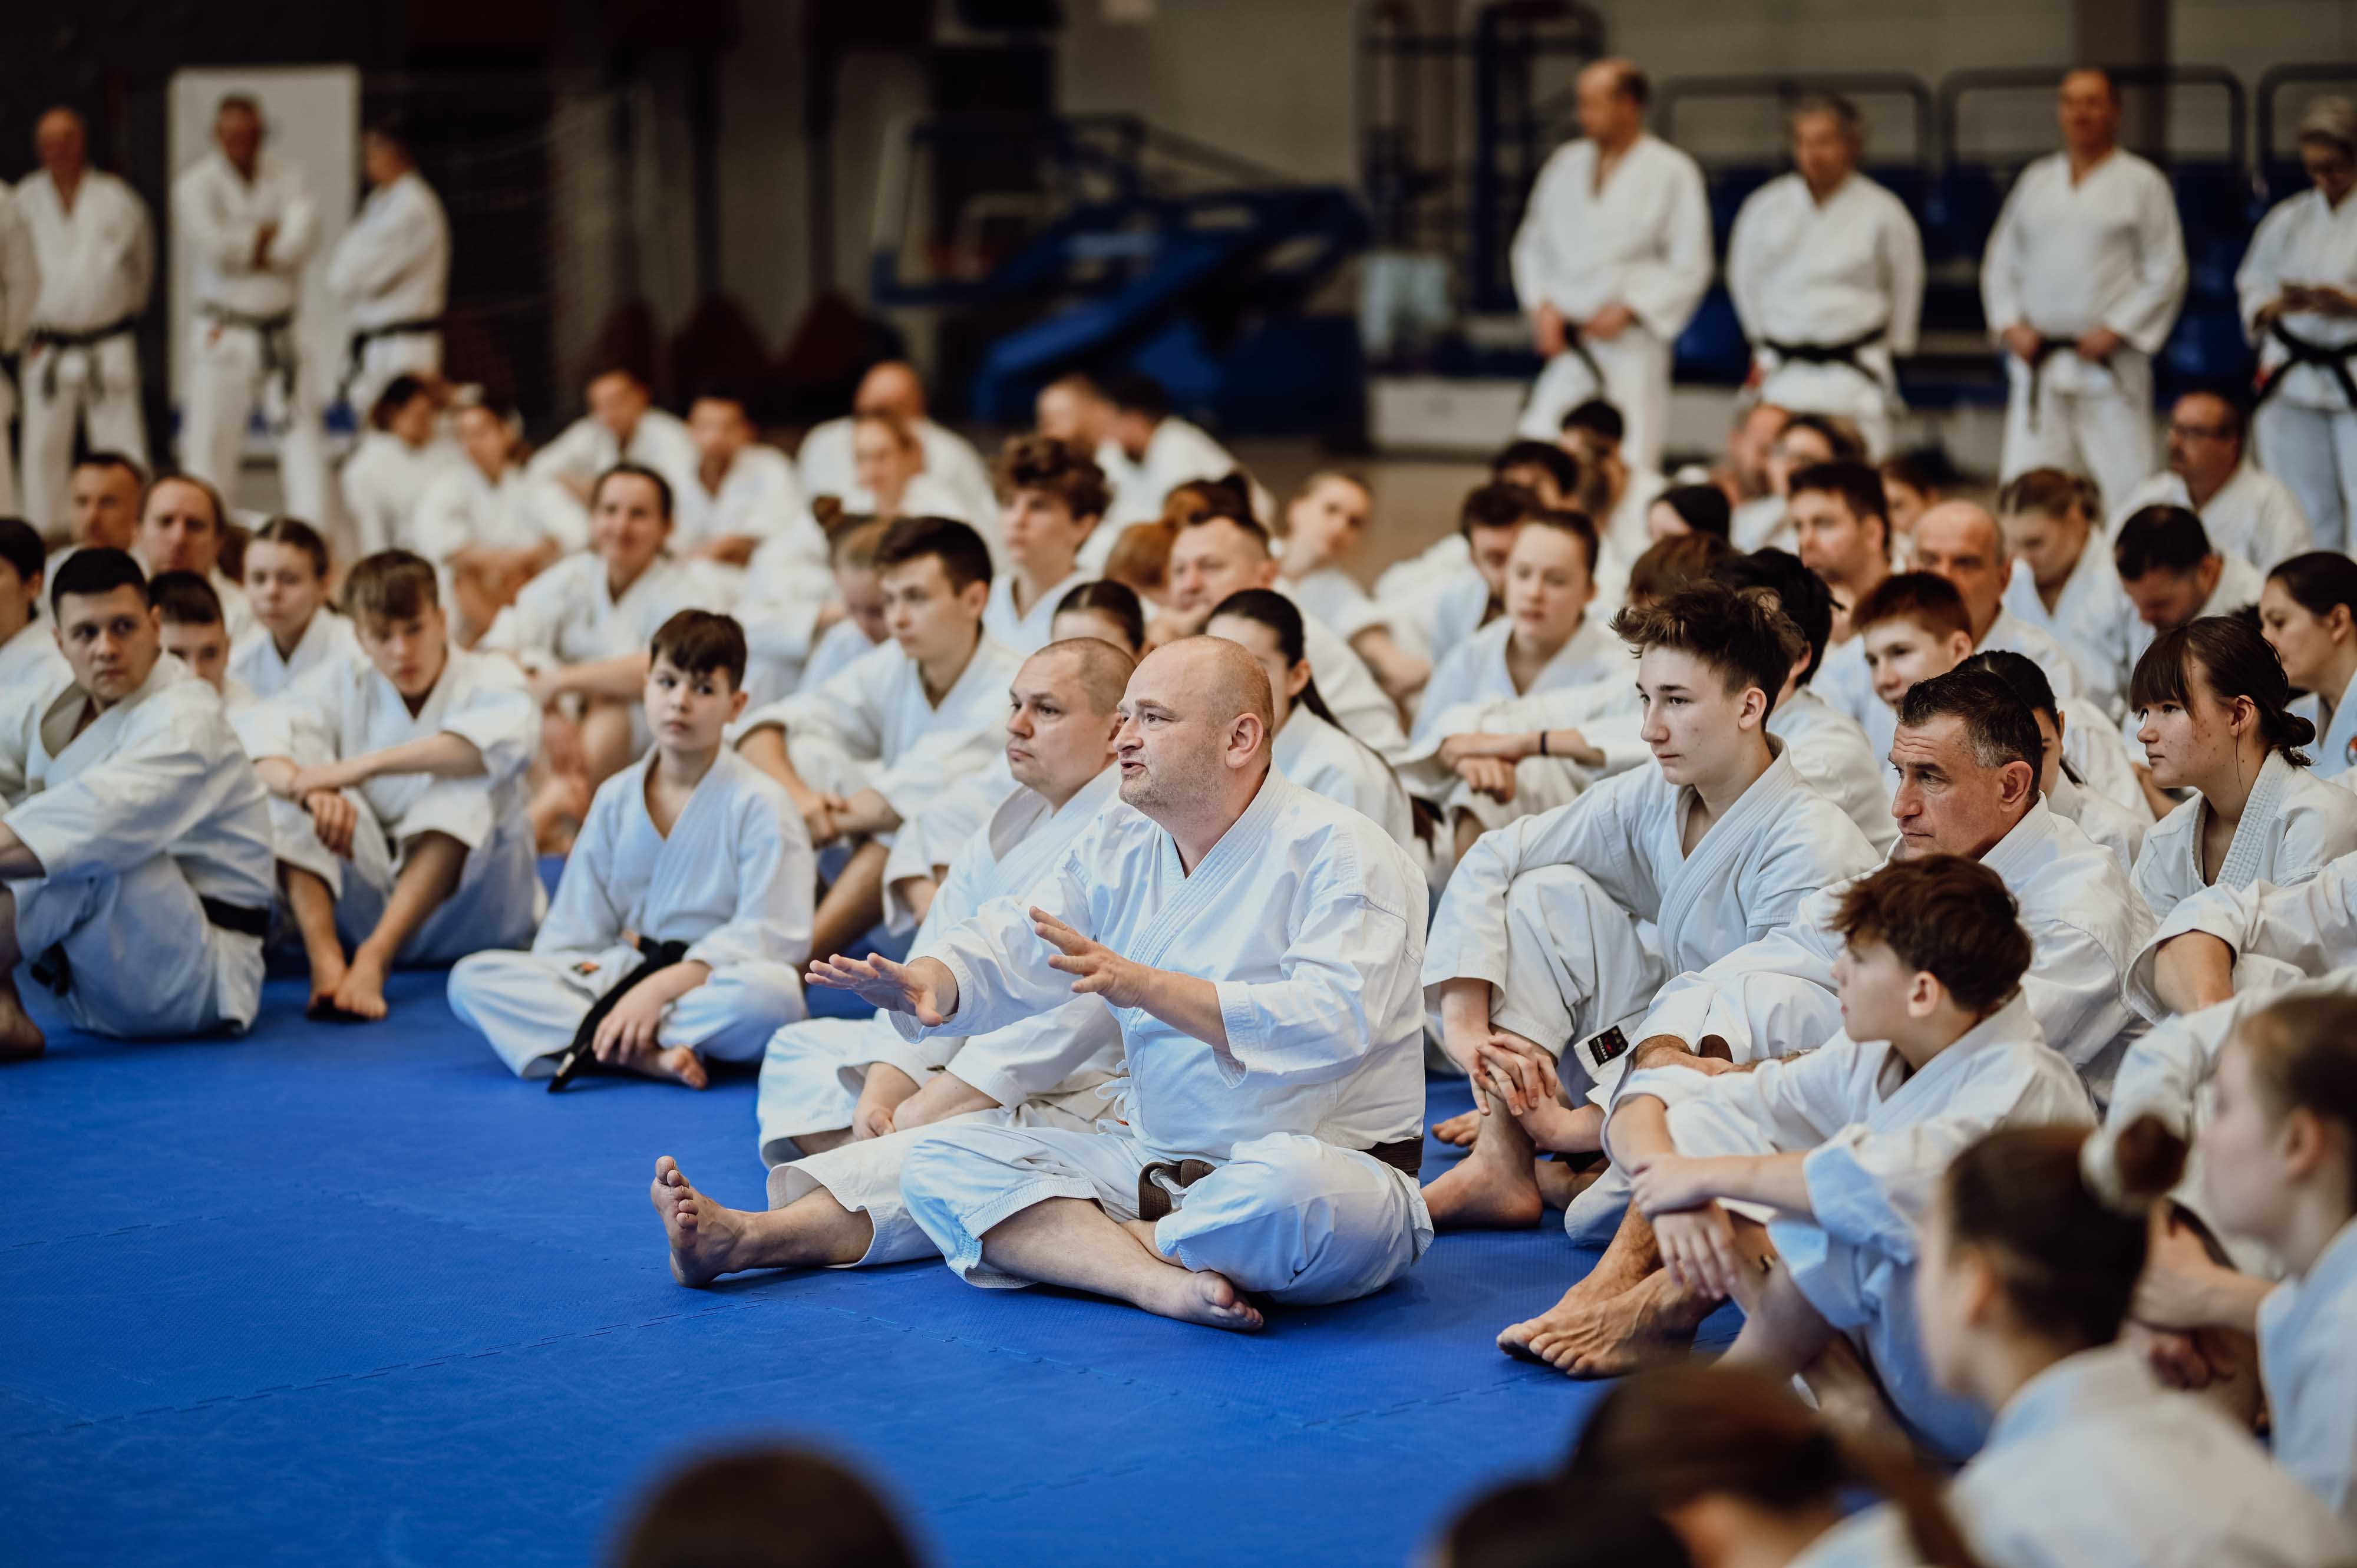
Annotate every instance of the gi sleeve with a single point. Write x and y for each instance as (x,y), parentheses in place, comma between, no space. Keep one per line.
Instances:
(1595,832)
(199,223)
(147,798)
(1352,955)
(139,254)
(2001,264)
(1033,1057)
(1664,295)
(528,626)
(298,230)
(1531,258)
(20,275)
(1000,963)
(377,251)
(1904,274)
(2259,281)
(2310,929)
(497,715)
(2145,315)
(1745,263)
(775,873)
(1793,1103)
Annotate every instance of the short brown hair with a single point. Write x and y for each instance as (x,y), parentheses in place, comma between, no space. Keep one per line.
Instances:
(2051,492)
(1928,600)
(1055,469)
(1743,635)
(851,542)
(391,584)
(1675,561)
(965,558)
(1577,523)
(698,641)
(185,599)
(1496,505)
(295,534)
(1947,915)
(635,472)
(1140,558)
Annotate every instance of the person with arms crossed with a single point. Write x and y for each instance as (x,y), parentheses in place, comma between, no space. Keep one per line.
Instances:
(391,272)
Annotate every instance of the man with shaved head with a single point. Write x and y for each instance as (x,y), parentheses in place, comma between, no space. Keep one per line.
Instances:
(1611,260)
(1256,948)
(1961,542)
(892,388)
(97,260)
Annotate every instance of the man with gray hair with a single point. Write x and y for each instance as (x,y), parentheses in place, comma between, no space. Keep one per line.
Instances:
(1827,271)
(1257,950)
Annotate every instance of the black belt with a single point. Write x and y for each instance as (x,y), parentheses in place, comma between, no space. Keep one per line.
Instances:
(2047,348)
(2303,351)
(54,970)
(417,327)
(580,1057)
(1154,1198)
(64,342)
(1576,346)
(278,336)
(1827,353)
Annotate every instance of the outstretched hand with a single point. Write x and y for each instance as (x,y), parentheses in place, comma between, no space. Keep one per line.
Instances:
(880,982)
(1096,969)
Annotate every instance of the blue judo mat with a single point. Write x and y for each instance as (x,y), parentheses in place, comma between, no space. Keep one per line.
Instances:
(354,1295)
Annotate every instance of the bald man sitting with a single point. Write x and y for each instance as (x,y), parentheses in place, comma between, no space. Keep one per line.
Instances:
(1257,948)
(893,388)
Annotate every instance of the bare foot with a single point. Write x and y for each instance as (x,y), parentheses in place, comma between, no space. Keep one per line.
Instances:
(327,979)
(1614,1336)
(1204,1297)
(1458,1130)
(1560,1183)
(361,992)
(1144,1231)
(702,1233)
(20,1038)
(1493,1188)
(679,1064)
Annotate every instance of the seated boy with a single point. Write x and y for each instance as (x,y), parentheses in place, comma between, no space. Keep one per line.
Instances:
(410,757)
(802,627)
(195,631)
(28,646)
(135,844)
(286,589)
(862,752)
(684,907)
(1053,498)
(1823,1163)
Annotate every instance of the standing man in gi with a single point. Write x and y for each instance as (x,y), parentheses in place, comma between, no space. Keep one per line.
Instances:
(1826,269)
(1611,259)
(97,258)
(249,222)
(391,270)
(2082,282)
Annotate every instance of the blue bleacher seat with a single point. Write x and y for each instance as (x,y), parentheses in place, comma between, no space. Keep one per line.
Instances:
(2207,348)
(1712,351)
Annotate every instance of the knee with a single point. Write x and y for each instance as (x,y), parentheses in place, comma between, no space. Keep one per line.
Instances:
(938,1166)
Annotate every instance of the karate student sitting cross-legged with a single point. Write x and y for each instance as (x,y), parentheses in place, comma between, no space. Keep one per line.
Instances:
(1256,948)
(410,757)
(1796,1188)
(134,840)
(685,904)
(1536,954)
(861,753)
(286,589)
(844,1101)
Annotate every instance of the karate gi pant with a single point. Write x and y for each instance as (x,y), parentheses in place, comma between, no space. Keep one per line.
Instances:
(1296,1219)
(2107,435)
(382,359)
(106,402)
(529,1007)
(499,900)
(226,382)
(1577,964)
(2314,452)
(1842,390)
(1636,367)
(145,961)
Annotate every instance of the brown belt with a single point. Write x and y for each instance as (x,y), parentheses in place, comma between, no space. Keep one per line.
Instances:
(1154,1198)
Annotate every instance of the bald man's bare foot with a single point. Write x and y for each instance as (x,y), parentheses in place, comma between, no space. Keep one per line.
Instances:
(1492,1188)
(1460,1130)
(1204,1297)
(702,1233)
(1616,1336)
(20,1038)
(361,992)
(674,1064)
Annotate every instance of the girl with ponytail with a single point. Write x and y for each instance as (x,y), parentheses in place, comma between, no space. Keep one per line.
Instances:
(2215,717)
(2307,611)
(2030,1261)
(1743,1473)
(1312,749)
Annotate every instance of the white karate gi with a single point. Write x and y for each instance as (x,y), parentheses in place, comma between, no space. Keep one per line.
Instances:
(20,289)
(2279,935)
(586,449)
(2101,818)
(2092,1461)
(2086,923)
(1879,1136)
(812,1075)
(926,846)
(2292,825)
(1326,761)
(2335,749)
(1027,631)
(2104,252)
(31,660)
(1642,241)
(237,616)
(1831,753)
(734,879)
(1474,671)
(2092,619)
(1176,454)
(1350,688)
(2305,1329)
(1549,908)
(2009,633)
(147,814)
(2239,583)
(2306,429)
(343,709)
(827,470)
(254,661)
(2254,515)
(392,273)
(1410,579)
(1823,273)
(97,262)
(1605,712)
(459,506)
(245,329)
(758,496)
(2092,748)
(1334,596)
(386,480)
(784,592)
(1307,918)
(869,725)
(1436,613)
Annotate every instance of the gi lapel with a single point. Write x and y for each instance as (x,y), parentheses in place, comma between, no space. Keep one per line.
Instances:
(1714,862)
(2247,854)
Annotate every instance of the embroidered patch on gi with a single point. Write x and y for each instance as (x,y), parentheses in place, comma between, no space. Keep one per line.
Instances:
(1604,1047)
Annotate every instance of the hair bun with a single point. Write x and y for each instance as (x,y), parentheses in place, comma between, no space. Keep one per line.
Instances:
(2125,1168)
(2296,730)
